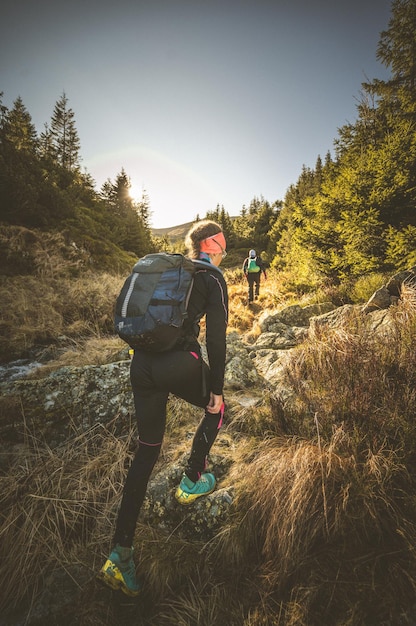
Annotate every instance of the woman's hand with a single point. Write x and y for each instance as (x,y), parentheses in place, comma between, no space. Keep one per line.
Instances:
(215,403)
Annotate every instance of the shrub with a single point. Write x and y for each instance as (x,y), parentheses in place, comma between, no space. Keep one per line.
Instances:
(365,286)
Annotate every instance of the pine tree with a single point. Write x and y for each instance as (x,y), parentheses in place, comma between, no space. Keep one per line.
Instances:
(144,213)
(64,136)
(129,231)
(21,181)
(123,203)
(397,47)
(46,147)
(18,129)
(401,247)
(143,209)
(361,233)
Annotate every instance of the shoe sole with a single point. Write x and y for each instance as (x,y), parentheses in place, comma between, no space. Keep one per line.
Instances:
(115,584)
(185,498)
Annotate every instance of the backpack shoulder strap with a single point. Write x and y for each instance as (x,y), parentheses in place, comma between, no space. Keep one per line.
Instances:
(206,266)
(162,261)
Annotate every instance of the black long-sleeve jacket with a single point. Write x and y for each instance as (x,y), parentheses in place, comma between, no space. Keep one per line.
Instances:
(209,297)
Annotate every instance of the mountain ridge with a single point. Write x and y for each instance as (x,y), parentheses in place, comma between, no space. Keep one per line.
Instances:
(173,232)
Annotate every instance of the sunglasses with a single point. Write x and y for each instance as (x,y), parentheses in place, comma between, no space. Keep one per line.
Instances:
(224,252)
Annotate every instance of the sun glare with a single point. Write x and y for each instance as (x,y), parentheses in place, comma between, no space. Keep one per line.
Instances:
(135,192)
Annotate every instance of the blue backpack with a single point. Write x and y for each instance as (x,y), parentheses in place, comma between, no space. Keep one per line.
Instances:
(152,305)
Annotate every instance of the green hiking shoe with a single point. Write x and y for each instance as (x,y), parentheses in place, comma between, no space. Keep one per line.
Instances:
(189,491)
(119,571)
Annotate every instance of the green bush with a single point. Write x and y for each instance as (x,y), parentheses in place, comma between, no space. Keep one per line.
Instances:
(365,286)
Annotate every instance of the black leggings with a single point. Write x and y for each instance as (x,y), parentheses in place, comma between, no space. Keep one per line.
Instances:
(153,377)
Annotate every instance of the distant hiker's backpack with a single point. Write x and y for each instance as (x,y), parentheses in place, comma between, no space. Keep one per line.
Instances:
(151,307)
(252,265)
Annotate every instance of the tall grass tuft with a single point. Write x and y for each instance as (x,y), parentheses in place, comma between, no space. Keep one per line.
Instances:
(53,502)
(316,529)
(359,376)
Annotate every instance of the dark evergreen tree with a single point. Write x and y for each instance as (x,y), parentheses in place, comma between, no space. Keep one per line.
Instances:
(18,129)
(255,205)
(21,177)
(46,146)
(143,209)
(401,247)
(397,50)
(144,213)
(214,215)
(65,144)
(223,218)
(129,232)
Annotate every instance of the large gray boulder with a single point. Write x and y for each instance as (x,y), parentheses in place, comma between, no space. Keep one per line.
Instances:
(390,293)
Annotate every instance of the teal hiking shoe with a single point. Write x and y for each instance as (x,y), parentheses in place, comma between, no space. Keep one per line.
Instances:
(188,491)
(119,571)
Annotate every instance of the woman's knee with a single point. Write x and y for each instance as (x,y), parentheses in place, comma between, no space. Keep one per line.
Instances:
(145,457)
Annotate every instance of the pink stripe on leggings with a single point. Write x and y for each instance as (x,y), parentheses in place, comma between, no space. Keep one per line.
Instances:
(222,409)
(149,444)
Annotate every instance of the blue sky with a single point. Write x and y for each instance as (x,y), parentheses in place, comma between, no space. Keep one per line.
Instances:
(202,102)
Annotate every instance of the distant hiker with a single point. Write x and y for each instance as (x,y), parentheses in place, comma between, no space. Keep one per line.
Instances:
(182,372)
(253,266)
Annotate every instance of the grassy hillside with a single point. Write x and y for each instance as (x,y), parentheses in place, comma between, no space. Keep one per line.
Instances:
(174,233)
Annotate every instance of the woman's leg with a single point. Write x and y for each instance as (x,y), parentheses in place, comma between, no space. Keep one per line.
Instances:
(204,438)
(152,377)
(185,373)
(151,419)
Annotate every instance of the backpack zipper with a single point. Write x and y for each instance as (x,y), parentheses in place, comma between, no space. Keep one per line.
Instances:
(128,294)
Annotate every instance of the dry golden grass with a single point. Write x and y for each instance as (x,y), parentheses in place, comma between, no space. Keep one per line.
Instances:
(319,535)
(362,380)
(38,252)
(90,351)
(39,311)
(51,503)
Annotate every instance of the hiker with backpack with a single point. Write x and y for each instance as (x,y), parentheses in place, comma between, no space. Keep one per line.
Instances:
(253,266)
(181,371)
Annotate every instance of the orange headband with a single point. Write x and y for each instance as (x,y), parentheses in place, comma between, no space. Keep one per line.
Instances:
(211,244)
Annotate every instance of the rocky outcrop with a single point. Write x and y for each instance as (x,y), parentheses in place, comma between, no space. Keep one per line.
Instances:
(74,398)
(390,293)
(203,519)
(281,331)
(68,399)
